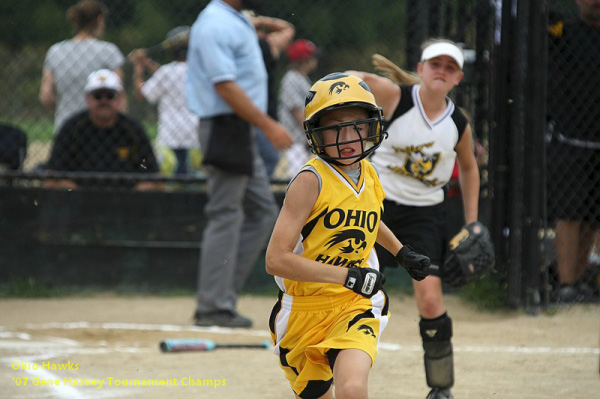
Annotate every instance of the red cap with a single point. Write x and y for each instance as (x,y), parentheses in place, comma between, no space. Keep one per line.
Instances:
(300,50)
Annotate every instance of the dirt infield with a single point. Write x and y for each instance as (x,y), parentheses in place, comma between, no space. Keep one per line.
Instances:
(52,348)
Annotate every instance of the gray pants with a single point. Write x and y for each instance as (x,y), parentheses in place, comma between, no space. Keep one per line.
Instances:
(241,211)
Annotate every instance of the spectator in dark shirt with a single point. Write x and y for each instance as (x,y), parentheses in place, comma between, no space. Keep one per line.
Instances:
(100,139)
(574,150)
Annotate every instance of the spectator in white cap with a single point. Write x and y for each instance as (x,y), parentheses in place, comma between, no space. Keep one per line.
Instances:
(101,139)
(427,134)
(295,83)
(102,92)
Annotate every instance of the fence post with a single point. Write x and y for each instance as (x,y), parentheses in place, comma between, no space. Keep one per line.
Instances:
(517,155)
(416,12)
(534,173)
(499,146)
(516,134)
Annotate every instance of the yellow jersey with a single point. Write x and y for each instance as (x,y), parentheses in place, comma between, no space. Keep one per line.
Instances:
(342,227)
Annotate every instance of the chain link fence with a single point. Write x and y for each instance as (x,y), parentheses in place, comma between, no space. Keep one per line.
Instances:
(346,33)
(573,148)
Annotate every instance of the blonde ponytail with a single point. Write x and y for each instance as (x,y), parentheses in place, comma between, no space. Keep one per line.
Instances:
(394,72)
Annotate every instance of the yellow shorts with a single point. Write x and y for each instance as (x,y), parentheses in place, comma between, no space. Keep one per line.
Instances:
(308,332)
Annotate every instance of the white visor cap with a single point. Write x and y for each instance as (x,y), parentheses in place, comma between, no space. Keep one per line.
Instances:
(443,48)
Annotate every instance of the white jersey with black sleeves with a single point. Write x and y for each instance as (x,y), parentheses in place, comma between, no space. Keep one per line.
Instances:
(417,158)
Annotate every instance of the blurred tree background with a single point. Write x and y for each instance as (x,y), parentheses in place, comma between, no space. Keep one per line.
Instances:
(346,31)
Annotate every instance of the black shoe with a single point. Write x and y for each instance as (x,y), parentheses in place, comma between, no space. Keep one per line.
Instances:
(586,293)
(438,393)
(222,319)
(567,293)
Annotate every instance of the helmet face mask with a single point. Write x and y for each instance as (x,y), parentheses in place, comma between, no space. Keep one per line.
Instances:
(367,134)
(338,91)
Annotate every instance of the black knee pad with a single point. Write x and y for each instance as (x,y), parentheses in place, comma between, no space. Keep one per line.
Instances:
(439,360)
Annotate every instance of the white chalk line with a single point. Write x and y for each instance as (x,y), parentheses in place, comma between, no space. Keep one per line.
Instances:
(500,349)
(143,327)
(60,391)
(54,347)
(263,333)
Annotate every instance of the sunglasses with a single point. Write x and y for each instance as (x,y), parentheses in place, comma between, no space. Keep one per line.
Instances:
(100,94)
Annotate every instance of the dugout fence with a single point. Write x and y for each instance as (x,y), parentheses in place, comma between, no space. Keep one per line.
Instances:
(505,92)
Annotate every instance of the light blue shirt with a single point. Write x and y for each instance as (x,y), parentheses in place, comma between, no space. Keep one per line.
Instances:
(223,47)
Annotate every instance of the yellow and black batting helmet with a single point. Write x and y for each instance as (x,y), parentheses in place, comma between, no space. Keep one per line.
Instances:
(335,91)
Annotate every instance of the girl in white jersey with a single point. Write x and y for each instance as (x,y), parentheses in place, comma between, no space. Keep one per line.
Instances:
(331,309)
(427,133)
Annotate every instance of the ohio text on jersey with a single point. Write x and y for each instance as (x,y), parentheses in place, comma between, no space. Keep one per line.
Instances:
(342,227)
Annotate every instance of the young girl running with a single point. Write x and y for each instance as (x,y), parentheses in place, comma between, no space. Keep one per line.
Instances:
(331,309)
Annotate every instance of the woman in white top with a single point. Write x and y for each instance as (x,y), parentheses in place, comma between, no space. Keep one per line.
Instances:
(427,133)
(68,63)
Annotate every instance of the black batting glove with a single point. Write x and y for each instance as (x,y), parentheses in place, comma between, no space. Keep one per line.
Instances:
(416,265)
(364,281)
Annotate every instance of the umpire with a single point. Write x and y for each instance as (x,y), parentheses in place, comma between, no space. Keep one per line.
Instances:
(227,88)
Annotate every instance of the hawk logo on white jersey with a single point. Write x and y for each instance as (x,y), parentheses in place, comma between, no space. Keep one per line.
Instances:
(418,164)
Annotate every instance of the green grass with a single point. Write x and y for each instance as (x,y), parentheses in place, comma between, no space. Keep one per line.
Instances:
(42,130)
(30,288)
(151,130)
(36,130)
(485,294)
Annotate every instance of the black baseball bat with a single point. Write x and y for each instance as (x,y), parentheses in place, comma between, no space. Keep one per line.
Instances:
(179,40)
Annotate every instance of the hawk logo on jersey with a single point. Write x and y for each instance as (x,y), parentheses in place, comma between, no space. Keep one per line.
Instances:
(338,87)
(356,240)
(350,242)
(418,164)
(367,330)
